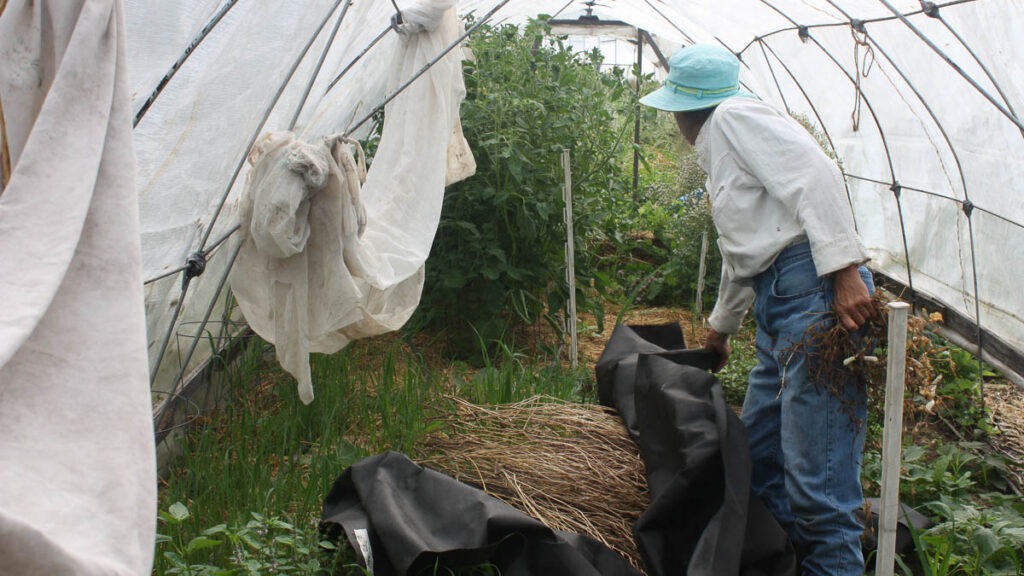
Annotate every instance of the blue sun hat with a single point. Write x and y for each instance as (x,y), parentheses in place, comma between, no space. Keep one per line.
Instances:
(699,76)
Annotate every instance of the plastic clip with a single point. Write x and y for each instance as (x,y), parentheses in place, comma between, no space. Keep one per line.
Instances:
(195,265)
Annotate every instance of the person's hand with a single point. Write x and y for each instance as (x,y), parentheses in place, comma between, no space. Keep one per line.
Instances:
(718,342)
(853,305)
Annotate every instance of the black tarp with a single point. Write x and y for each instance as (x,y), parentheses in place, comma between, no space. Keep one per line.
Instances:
(703,519)
(413,517)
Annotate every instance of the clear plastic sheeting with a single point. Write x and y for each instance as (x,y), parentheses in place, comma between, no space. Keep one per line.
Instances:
(325,260)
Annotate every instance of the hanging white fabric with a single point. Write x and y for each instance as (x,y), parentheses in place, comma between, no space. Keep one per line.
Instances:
(326,260)
(297,279)
(77,460)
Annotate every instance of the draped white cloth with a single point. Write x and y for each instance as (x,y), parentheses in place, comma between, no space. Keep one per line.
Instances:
(326,260)
(77,464)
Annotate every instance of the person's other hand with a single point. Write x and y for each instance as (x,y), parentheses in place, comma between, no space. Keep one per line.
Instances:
(718,342)
(853,305)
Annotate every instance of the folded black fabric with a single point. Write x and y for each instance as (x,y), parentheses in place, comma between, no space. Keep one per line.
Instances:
(408,520)
(703,518)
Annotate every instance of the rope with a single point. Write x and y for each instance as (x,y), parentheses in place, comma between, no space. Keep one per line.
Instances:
(860,39)
(804,29)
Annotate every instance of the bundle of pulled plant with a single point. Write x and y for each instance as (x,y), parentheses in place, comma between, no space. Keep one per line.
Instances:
(843,359)
(571,466)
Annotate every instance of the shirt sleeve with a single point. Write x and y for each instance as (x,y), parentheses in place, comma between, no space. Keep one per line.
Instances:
(791,166)
(734,300)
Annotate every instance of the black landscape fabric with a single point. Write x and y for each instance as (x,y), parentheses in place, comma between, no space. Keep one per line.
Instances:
(409,519)
(703,520)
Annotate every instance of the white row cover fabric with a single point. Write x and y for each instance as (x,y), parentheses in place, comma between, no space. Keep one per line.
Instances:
(317,267)
(77,463)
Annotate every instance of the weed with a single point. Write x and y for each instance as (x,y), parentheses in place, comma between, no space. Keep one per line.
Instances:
(263,545)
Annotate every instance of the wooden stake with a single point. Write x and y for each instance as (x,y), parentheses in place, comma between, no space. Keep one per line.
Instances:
(701,272)
(5,151)
(570,258)
(892,438)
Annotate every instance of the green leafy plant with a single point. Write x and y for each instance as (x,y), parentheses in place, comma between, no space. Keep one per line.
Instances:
(263,545)
(177,551)
(972,540)
(650,249)
(498,257)
(975,531)
(960,387)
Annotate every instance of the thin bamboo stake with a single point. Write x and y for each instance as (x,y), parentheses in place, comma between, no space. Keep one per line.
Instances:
(701,272)
(5,151)
(892,438)
(570,259)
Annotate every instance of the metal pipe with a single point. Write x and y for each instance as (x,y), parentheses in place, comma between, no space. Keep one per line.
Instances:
(319,64)
(181,60)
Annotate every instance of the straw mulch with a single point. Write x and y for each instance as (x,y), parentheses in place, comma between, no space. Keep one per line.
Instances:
(1007,404)
(571,466)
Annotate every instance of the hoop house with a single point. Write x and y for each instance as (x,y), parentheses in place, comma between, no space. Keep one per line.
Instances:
(127,132)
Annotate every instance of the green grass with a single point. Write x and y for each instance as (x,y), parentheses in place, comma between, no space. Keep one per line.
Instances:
(265,453)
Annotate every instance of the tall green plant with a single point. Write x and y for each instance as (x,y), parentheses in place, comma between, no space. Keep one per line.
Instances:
(651,249)
(498,258)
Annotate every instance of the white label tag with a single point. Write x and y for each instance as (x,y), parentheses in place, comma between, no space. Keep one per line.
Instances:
(363,539)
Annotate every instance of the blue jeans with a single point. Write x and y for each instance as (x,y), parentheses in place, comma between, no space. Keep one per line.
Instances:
(805,443)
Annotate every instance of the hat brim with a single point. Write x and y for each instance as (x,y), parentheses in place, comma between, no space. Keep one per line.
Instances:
(669,100)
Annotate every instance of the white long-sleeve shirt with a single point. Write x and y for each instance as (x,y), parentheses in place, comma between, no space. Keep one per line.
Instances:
(770,186)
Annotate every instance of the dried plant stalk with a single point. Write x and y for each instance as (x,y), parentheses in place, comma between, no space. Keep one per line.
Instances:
(573,467)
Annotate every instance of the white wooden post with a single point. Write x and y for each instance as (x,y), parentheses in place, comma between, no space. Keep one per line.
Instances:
(892,439)
(570,258)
